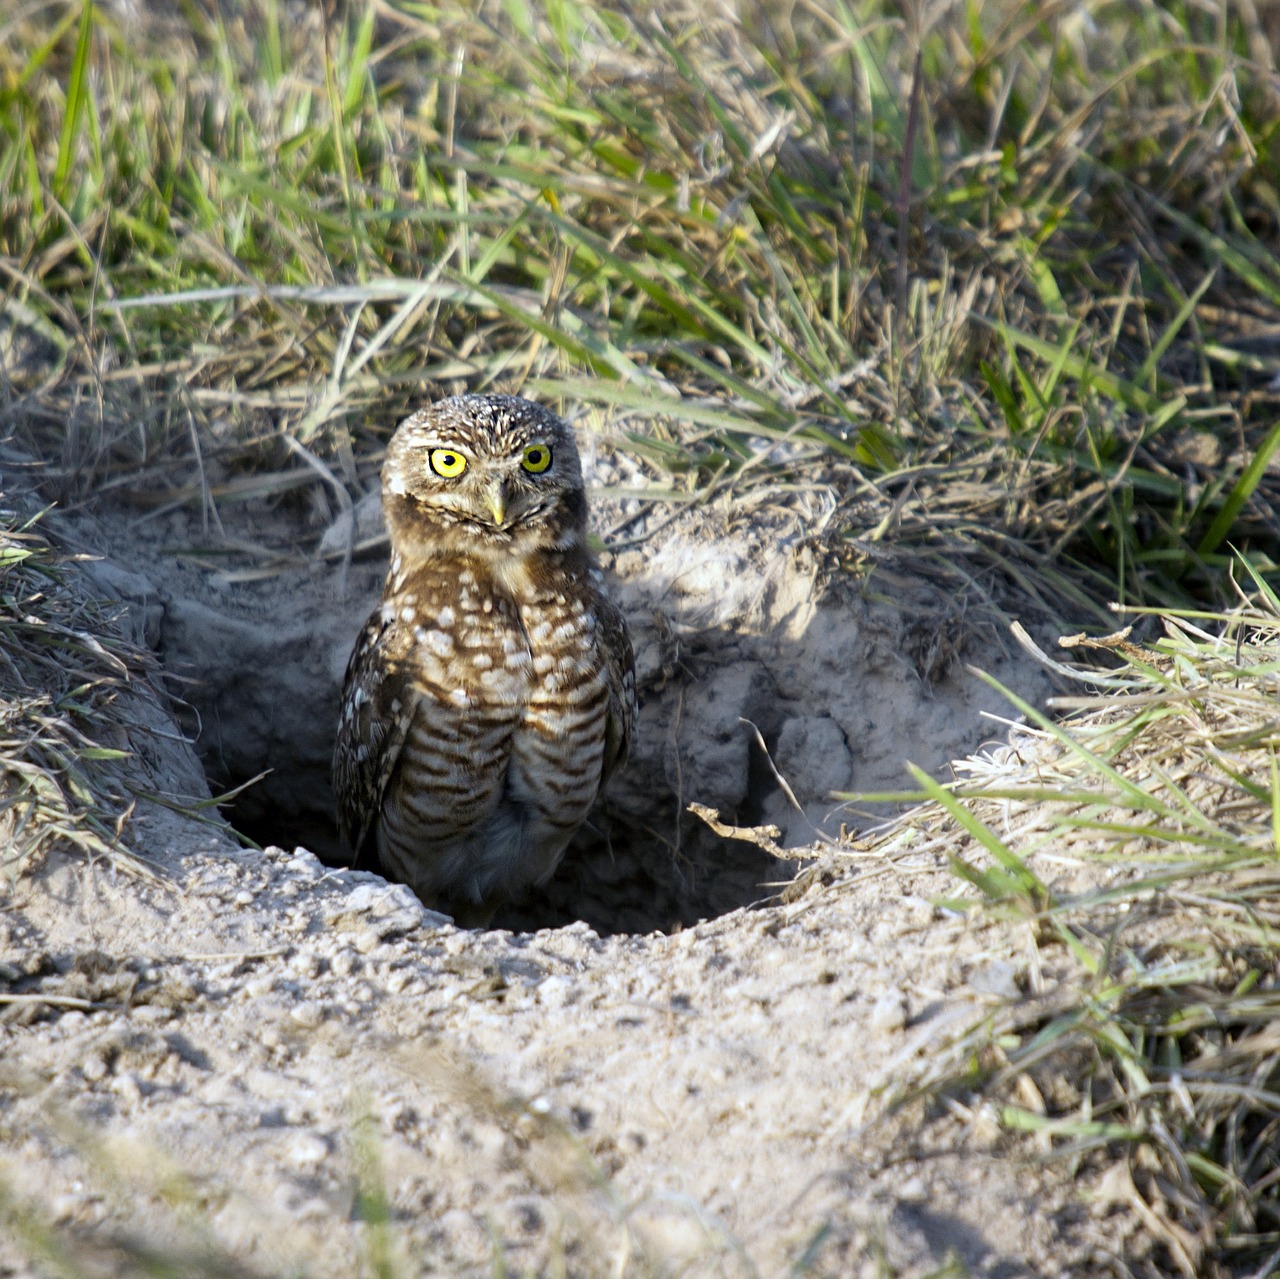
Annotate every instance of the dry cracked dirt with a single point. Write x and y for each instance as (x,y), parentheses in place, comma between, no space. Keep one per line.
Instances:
(673,1061)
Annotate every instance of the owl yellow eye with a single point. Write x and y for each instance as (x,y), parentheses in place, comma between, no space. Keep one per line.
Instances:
(536,459)
(448,462)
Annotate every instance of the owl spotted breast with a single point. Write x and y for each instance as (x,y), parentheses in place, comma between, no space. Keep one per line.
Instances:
(492,693)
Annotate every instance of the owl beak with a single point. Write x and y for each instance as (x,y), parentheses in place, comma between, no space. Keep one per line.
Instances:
(497,500)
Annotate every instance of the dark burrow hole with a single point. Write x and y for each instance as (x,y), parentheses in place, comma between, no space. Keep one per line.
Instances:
(742,647)
(620,875)
(828,684)
(254,699)
(736,655)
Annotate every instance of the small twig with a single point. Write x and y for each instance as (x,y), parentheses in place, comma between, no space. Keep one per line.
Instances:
(777,776)
(1059,668)
(784,785)
(207,503)
(1116,642)
(765,837)
(362,547)
(345,505)
(56,1001)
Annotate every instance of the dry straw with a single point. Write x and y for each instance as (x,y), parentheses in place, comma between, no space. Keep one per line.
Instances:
(1137,844)
(64,669)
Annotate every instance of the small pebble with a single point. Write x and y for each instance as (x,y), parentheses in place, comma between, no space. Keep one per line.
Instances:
(128,1088)
(307,1014)
(181,988)
(305,864)
(998,978)
(889,1013)
(152,1014)
(556,992)
(308,1150)
(367,939)
(913,1190)
(307,964)
(94,1068)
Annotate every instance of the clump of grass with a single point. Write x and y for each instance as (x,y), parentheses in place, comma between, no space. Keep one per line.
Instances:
(63,668)
(1020,325)
(1139,839)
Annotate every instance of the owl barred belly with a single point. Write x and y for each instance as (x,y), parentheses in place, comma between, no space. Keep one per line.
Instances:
(492,694)
(497,785)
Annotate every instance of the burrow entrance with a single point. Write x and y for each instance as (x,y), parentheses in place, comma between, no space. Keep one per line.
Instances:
(748,666)
(261,695)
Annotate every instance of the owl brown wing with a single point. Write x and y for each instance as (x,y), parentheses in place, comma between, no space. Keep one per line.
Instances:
(620,667)
(378,705)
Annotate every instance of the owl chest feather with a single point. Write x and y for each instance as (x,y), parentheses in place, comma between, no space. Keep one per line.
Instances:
(507,724)
(501,648)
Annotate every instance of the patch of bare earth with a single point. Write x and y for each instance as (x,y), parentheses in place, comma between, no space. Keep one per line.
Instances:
(659,1062)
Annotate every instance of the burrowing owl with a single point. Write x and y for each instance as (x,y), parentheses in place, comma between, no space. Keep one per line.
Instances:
(492,693)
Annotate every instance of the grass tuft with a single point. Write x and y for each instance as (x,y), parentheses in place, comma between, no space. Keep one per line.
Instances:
(1147,1038)
(1013,314)
(62,670)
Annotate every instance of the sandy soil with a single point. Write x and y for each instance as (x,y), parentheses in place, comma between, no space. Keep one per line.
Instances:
(653,1065)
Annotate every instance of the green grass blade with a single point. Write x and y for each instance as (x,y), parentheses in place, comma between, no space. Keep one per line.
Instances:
(1240,493)
(1025,880)
(1108,383)
(1173,328)
(40,56)
(77,102)
(358,62)
(1133,794)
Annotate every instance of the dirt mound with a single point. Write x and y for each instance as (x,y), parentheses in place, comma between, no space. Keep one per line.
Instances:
(305,1050)
(271,1026)
(758,673)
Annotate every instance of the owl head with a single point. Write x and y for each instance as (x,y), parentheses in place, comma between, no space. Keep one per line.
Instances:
(483,474)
